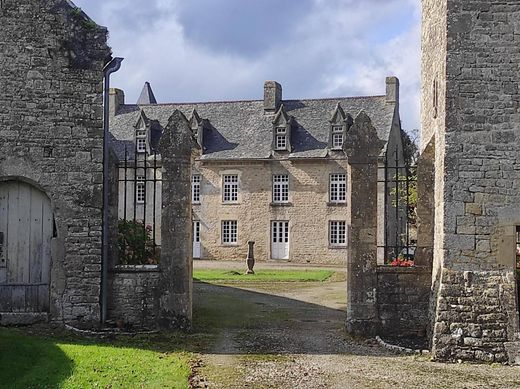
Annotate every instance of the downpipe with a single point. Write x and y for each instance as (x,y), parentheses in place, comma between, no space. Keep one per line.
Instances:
(113,66)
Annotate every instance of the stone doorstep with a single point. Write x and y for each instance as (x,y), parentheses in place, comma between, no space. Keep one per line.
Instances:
(513,352)
(22,318)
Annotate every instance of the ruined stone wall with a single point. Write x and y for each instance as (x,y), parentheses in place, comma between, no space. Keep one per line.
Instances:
(308,210)
(52,58)
(477,176)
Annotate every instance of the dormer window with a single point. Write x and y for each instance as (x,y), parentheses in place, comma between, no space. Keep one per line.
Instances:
(140,141)
(282,124)
(281,138)
(337,137)
(339,124)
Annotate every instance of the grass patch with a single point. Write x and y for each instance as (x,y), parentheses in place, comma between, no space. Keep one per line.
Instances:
(218,275)
(41,362)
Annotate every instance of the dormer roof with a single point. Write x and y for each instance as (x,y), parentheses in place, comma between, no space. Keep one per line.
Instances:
(281,117)
(147,96)
(338,116)
(194,120)
(142,121)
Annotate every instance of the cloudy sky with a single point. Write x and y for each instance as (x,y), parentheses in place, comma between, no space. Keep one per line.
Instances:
(200,50)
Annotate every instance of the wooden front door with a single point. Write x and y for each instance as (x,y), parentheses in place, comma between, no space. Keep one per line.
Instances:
(26,227)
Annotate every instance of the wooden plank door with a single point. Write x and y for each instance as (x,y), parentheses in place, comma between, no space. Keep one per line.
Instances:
(26,226)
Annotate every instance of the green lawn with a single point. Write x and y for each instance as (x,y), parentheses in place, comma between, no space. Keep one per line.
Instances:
(217,275)
(42,362)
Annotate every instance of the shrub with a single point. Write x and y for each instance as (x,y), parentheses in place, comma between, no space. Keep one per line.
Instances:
(136,246)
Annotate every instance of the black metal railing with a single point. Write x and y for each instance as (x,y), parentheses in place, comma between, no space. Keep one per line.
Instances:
(400,203)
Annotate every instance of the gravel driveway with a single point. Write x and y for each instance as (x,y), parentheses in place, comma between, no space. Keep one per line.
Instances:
(291,335)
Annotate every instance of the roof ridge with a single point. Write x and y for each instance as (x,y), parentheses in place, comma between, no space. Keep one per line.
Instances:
(261,100)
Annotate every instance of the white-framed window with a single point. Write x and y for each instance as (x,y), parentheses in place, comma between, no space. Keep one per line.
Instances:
(338,188)
(140,141)
(229,231)
(230,188)
(280,188)
(281,138)
(140,189)
(195,188)
(338,233)
(337,137)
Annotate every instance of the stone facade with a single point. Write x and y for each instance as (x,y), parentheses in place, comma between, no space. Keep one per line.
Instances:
(308,210)
(52,59)
(470,113)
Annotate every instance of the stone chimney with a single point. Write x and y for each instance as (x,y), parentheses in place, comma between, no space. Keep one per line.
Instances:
(392,90)
(116,98)
(272,97)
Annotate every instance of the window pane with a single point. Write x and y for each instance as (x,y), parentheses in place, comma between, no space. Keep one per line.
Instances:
(338,188)
(281,143)
(337,140)
(337,233)
(280,188)
(229,231)
(195,188)
(230,190)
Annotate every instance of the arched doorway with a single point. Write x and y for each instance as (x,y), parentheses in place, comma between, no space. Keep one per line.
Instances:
(26,230)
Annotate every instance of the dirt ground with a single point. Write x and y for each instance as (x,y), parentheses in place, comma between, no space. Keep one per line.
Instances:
(291,335)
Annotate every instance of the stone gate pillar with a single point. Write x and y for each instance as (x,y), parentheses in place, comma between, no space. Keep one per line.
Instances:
(363,150)
(175,286)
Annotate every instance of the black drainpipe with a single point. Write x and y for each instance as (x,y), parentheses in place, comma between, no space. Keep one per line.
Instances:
(112,67)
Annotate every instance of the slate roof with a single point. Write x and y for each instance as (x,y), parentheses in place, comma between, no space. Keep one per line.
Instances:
(241,130)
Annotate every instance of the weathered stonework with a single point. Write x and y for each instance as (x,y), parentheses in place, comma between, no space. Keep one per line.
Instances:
(471,52)
(363,151)
(52,59)
(134,293)
(403,295)
(177,147)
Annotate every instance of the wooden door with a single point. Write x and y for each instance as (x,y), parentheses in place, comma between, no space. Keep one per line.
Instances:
(280,240)
(26,227)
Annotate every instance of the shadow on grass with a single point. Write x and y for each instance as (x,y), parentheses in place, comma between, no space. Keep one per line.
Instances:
(29,362)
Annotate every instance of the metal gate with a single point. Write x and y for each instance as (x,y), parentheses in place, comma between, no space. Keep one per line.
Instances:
(26,230)
(400,202)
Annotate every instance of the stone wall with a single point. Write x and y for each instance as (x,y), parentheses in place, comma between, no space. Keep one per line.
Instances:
(477,173)
(133,292)
(403,295)
(51,136)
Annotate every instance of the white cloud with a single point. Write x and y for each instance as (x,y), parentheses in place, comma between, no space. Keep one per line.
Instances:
(330,48)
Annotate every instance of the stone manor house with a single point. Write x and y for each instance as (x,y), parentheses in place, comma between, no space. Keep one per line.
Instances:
(272,171)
